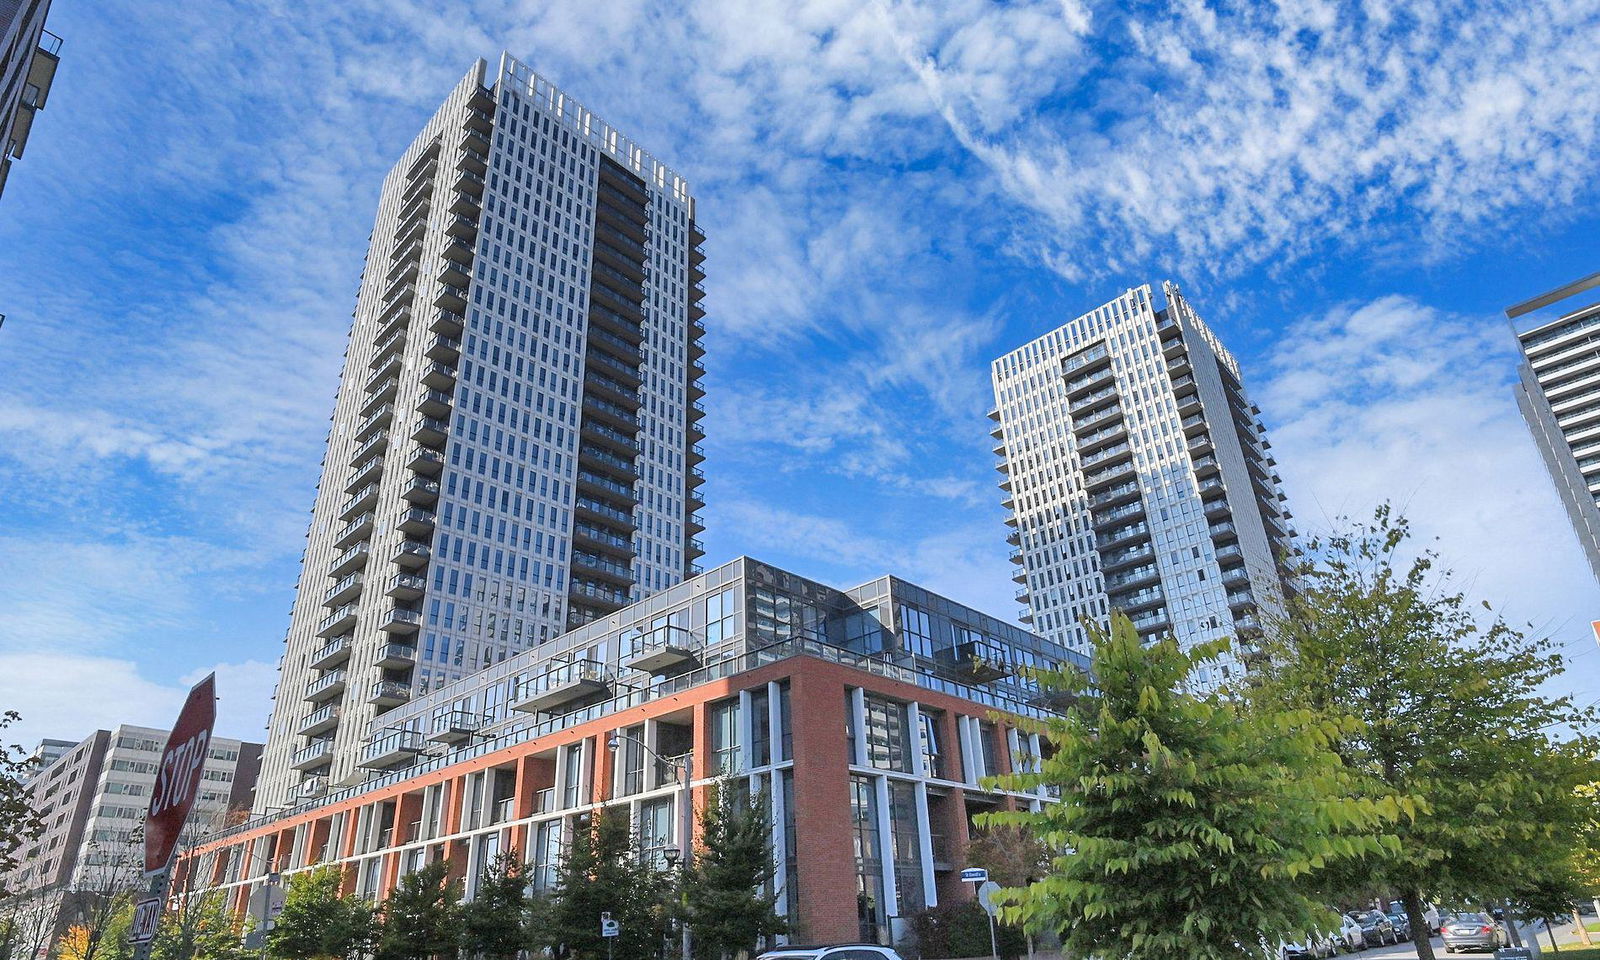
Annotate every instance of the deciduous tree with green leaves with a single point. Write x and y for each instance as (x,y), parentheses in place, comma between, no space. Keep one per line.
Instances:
(19,821)
(317,922)
(420,919)
(494,923)
(729,895)
(1440,704)
(603,872)
(1187,827)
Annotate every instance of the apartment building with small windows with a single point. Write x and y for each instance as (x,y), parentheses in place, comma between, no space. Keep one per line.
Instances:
(514,448)
(1558,392)
(93,799)
(29,55)
(1137,477)
(869,717)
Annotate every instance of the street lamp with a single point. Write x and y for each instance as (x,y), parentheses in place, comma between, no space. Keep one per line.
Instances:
(685,811)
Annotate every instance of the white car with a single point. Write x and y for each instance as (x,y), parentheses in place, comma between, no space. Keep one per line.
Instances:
(1349,934)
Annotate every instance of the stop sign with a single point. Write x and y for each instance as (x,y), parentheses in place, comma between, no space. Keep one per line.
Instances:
(178,776)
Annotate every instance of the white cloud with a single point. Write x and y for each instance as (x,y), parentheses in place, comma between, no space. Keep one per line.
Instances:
(1227,140)
(1393,400)
(70,696)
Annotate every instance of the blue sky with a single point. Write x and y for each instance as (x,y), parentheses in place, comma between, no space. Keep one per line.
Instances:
(895,192)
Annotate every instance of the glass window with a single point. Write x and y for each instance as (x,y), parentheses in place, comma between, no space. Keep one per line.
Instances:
(725,738)
(572,783)
(870,908)
(784,722)
(631,761)
(932,758)
(760,728)
(655,831)
(988,737)
(907,846)
(916,631)
(888,746)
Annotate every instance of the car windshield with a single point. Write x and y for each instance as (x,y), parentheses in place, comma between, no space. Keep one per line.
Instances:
(1466,918)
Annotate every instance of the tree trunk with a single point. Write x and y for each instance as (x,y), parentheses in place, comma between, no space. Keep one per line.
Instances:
(1421,936)
(1511,925)
(1583,930)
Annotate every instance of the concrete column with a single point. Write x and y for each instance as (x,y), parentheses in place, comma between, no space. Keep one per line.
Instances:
(919,764)
(891,890)
(775,720)
(930,888)
(858,723)
(747,728)
(780,841)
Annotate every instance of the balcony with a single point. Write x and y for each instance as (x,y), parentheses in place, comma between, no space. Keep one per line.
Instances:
(337,622)
(469,183)
(374,444)
(314,754)
(590,509)
(1113,560)
(412,554)
(462,228)
(430,432)
(598,485)
(590,593)
(352,559)
(358,529)
(365,472)
(1206,466)
(1096,481)
(1131,603)
(320,720)
(389,693)
(425,460)
(447,323)
(406,586)
(421,491)
(1224,531)
(615,415)
(560,685)
(1154,621)
(1106,518)
(331,654)
(602,568)
(450,297)
(1137,577)
(981,661)
(363,499)
(443,349)
(347,589)
(439,376)
(1097,419)
(1100,379)
(391,747)
(455,727)
(1116,452)
(434,403)
(607,462)
(663,650)
(415,521)
(399,619)
(396,656)
(471,158)
(325,687)
(381,385)
(1241,599)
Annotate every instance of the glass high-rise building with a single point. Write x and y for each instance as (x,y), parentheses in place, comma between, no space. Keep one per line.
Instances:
(1558,391)
(29,55)
(1138,478)
(514,447)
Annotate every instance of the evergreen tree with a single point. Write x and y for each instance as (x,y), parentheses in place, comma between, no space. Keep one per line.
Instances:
(317,923)
(730,899)
(494,923)
(420,919)
(1441,709)
(602,872)
(1186,827)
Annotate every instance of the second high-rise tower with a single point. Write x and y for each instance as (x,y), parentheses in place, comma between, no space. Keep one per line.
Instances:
(514,448)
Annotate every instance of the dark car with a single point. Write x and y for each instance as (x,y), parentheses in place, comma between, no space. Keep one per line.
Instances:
(1375,926)
(1402,925)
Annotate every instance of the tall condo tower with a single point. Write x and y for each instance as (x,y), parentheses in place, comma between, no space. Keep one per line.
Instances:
(29,55)
(1558,389)
(514,449)
(1138,478)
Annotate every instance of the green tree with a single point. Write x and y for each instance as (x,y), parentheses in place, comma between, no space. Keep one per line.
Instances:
(317,923)
(729,895)
(19,821)
(1186,827)
(200,928)
(1437,707)
(602,872)
(494,923)
(420,919)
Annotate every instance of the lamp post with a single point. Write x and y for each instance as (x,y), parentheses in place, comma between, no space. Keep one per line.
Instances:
(685,813)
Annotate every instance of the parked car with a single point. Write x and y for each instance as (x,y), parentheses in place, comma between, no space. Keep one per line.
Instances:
(1313,948)
(1375,927)
(1430,913)
(838,951)
(1349,935)
(1473,931)
(1402,925)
